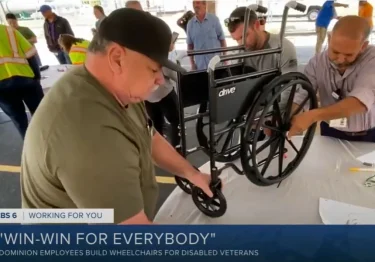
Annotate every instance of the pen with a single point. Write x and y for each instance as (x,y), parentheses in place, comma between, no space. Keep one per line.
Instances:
(359,169)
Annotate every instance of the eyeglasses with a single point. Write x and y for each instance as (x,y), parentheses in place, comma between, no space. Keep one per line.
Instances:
(233,20)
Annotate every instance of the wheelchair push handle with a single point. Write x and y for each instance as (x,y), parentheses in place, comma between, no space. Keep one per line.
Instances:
(290,5)
(296,6)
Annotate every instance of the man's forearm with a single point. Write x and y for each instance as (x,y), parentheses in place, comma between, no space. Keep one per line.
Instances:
(167,158)
(343,109)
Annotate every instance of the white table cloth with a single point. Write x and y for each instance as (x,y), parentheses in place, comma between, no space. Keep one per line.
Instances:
(324,172)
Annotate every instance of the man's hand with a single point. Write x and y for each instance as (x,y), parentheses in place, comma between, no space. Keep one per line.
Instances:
(202,181)
(193,66)
(302,122)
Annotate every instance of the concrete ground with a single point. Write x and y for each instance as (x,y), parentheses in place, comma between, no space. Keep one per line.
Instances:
(11,148)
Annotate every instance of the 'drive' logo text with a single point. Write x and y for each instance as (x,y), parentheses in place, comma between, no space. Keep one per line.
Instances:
(227,91)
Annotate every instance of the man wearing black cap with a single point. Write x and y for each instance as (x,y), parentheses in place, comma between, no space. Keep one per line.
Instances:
(258,39)
(54,26)
(91,144)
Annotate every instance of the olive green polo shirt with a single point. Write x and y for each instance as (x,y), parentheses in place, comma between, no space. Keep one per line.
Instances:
(83,150)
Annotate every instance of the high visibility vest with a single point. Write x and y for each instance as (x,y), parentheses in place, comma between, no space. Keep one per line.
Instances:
(14,52)
(78,52)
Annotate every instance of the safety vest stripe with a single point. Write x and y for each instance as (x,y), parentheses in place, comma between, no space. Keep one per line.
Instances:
(15,60)
(13,41)
(78,49)
(31,52)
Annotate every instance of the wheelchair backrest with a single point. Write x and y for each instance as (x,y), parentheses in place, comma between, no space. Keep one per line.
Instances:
(235,100)
(193,86)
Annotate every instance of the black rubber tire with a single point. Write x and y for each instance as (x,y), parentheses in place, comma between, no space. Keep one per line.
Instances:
(199,196)
(280,84)
(184,184)
(203,139)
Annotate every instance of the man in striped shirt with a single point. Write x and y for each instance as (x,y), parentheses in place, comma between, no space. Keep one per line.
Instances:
(345,79)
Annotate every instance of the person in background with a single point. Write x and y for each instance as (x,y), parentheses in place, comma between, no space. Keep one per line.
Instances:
(365,10)
(91,144)
(19,77)
(75,47)
(25,32)
(100,15)
(204,31)
(54,26)
(163,102)
(344,77)
(134,5)
(325,16)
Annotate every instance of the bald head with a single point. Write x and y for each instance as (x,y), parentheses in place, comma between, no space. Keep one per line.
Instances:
(348,41)
(352,27)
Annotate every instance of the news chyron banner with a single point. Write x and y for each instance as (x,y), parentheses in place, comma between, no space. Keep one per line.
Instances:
(101,241)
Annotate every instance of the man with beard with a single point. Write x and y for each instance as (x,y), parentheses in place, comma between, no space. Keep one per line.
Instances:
(344,77)
(258,39)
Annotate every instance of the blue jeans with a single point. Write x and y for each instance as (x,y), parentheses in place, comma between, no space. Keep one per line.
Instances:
(16,91)
(38,59)
(63,58)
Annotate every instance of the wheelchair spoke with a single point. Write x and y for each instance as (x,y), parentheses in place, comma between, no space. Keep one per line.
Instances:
(300,107)
(266,126)
(278,114)
(228,140)
(281,155)
(290,104)
(212,202)
(273,149)
(293,146)
(266,144)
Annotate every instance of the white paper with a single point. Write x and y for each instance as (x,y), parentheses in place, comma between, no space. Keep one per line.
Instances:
(362,219)
(368,158)
(338,213)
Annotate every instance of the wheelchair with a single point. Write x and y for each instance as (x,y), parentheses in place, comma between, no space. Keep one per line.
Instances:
(239,104)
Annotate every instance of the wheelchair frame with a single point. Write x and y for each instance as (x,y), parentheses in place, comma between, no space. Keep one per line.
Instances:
(221,91)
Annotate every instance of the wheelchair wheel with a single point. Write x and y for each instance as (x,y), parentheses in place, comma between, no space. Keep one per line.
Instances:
(212,207)
(184,184)
(267,114)
(223,141)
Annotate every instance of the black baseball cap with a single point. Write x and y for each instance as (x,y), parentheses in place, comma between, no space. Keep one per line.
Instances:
(141,32)
(237,17)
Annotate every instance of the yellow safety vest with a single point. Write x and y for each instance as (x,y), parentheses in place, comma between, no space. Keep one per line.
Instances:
(14,51)
(78,52)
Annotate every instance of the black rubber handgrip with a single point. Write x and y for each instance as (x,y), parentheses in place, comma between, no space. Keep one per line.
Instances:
(300,7)
(262,9)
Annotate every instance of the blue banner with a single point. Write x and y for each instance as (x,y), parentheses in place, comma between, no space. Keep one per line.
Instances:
(187,243)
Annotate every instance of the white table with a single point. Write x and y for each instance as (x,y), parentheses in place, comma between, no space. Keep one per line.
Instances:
(52,74)
(323,173)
